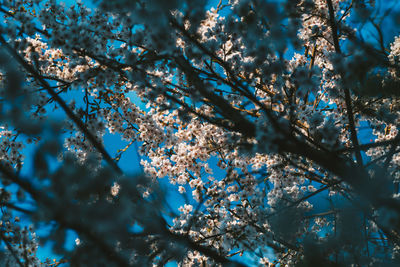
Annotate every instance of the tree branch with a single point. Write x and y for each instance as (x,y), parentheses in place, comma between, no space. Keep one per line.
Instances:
(63,105)
(347,96)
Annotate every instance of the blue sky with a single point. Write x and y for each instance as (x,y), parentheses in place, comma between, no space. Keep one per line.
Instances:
(129,162)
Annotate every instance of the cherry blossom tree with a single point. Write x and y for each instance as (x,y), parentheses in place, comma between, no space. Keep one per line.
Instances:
(253,111)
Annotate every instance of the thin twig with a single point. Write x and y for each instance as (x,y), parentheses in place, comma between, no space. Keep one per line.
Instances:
(10,248)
